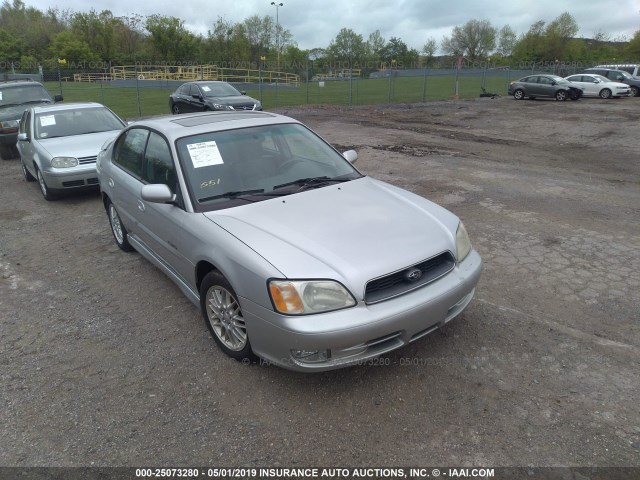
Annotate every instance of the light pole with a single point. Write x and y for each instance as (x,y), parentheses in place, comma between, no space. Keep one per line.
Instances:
(278,5)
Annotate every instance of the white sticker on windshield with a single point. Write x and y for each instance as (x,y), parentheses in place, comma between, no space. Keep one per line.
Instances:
(0,95)
(205,88)
(204,154)
(46,120)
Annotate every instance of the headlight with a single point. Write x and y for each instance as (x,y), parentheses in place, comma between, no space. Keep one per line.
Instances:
(463,244)
(218,106)
(304,297)
(257,106)
(64,162)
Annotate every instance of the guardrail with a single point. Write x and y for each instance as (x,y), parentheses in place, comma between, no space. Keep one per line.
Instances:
(190,73)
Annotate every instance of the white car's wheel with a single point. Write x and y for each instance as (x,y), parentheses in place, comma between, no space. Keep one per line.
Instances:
(605,93)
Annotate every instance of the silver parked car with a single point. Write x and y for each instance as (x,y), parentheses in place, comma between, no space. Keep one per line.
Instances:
(58,144)
(290,252)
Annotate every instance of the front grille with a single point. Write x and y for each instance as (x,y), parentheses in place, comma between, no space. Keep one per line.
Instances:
(399,282)
(73,183)
(92,181)
(243,107)
(87,160)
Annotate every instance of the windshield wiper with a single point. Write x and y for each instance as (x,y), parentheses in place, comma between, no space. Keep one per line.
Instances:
(234,194)
(311,181)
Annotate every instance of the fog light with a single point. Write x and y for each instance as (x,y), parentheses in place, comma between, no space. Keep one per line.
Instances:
(311,356)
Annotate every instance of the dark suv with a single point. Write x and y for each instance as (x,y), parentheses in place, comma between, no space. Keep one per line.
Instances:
(14,98)
(618,76)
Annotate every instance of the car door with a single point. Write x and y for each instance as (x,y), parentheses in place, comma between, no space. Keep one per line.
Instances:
(162,224)
(183,98)
(533,87)
(196,103)
(586,83)
(26,147)
(546,87)
(125,177)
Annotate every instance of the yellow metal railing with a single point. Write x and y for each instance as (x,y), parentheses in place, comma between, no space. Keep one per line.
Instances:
(187,73)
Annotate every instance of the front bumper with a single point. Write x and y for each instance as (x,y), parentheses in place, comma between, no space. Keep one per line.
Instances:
(69,178)
(353,335)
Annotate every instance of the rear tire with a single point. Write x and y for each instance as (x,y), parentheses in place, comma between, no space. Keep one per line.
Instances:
(518,94)
(7,152)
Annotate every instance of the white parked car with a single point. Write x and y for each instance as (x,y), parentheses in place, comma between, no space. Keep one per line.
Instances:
(594,85)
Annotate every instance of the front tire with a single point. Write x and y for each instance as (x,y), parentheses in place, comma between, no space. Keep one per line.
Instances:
(118,229)
(518,94)
(25,173)
(561,95)
(175,109)
(605,93)
(222,314)
(47,193)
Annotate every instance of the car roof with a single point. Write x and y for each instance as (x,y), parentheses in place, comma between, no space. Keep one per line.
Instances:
(607,69)
(178,126)
(20,83)
(59,107)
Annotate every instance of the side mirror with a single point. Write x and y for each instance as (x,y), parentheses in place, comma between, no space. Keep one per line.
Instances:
(58,98)
(351,156)
(157,193)
(22,137)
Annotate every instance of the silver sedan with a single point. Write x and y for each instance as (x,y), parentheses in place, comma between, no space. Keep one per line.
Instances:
(289,251)
(58,144)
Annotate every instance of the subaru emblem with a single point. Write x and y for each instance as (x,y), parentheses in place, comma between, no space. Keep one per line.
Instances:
(413,275)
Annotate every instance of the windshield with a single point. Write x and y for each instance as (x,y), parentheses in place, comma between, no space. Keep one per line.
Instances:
(23,94)
(219,90)
(233,167)
(64,123)
(625,74)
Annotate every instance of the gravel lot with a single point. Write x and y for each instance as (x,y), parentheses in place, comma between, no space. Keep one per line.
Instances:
(103,361)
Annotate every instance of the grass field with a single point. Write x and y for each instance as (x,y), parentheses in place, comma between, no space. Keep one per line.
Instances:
(132,102)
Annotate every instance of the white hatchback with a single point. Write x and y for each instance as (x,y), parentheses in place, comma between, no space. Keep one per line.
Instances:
(594,85)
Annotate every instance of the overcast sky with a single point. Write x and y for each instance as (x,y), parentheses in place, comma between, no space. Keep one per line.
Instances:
(316,23)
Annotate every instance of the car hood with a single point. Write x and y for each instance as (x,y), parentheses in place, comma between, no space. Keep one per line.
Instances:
(87,145)
(233,100)
(351,232)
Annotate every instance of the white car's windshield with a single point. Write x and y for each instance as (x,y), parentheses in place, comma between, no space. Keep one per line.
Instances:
(259,161)
(64,123)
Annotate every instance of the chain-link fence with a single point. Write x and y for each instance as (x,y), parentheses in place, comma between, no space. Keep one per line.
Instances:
(143,89)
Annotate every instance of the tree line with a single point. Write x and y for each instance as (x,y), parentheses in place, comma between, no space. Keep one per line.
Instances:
(30,38)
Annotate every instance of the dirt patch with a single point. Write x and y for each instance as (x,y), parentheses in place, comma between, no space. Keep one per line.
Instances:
(104,362)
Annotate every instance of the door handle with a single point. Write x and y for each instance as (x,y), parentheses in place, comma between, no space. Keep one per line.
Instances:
(111,182)
(141,206)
